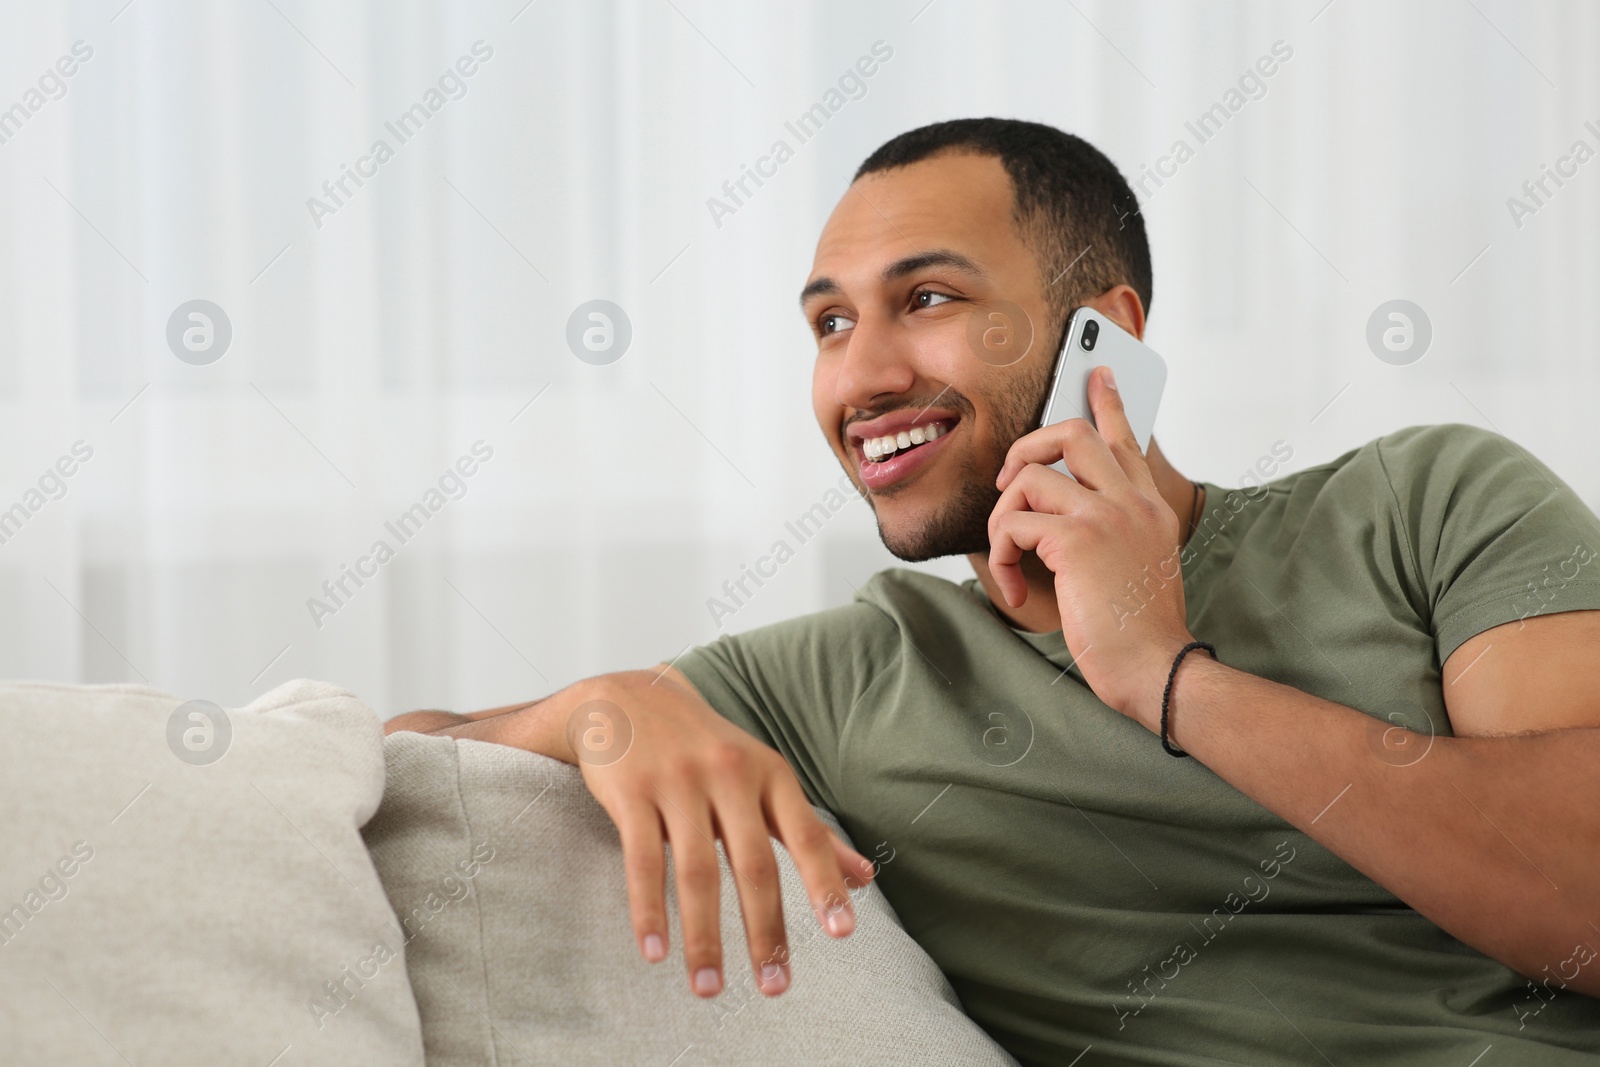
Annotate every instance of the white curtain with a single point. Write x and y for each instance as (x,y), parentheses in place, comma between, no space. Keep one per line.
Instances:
(378,335)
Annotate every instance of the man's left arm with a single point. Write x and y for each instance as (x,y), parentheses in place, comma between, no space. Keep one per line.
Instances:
(1494,834)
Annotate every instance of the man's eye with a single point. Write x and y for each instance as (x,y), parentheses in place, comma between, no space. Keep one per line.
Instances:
(927,298)
(829,324)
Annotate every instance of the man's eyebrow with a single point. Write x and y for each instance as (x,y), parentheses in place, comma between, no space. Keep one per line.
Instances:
(820,287)
(938,257)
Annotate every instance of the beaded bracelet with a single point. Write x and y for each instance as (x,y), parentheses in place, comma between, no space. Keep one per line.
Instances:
(1166,694)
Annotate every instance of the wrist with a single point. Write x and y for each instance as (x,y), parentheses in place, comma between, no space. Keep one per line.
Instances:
(546,727)
(1146,708)
(538,726)
(1184,703)
(422,722)
(567,725)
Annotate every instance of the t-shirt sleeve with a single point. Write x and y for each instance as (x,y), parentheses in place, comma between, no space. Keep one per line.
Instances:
(1493,534)
(793,685)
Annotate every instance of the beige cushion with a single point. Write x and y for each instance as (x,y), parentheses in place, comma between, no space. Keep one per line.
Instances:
(509,876)
(159,908)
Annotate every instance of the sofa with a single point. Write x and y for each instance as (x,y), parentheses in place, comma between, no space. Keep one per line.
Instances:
(280,884)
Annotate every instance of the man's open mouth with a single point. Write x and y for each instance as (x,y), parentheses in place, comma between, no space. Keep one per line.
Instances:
(879,449)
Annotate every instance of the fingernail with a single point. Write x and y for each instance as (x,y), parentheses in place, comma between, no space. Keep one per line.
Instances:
(707,982)
(655,949)
(840,921)
(774,978)
(1111,378)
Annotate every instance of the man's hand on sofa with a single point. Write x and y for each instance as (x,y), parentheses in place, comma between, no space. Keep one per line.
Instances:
(687,776)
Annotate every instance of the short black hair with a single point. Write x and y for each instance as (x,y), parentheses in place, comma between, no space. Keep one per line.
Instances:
(1071,203)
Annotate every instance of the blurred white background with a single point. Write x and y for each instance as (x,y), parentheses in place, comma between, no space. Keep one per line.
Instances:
(374,344)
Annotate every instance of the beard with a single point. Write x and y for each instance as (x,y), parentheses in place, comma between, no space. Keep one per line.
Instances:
(960,525)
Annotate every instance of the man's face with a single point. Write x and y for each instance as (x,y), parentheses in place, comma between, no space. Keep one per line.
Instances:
(921,297)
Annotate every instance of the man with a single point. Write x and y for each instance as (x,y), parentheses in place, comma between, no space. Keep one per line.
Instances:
(1384,846)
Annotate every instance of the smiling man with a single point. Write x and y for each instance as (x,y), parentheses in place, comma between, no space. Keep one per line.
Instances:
(1318,882)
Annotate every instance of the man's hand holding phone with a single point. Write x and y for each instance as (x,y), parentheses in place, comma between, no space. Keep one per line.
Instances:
(1105,526)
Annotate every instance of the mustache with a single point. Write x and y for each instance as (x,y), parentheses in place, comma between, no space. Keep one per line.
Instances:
(946,396)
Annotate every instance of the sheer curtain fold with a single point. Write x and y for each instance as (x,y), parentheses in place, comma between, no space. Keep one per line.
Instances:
(399,211)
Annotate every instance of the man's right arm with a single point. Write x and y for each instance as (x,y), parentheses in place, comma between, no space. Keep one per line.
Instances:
(687,777)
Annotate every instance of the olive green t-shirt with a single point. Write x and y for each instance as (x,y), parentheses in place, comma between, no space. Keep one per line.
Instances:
(1080,888)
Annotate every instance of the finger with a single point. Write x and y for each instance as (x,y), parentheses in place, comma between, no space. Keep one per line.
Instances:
(855,868)
(1111,419)
(1076,441)
(743,829)
(699,881)
(1016,533)
(735,776)
(644,860)
(1035,489)
(810,845)
(1005,559)
(1026,530)
(1005,552)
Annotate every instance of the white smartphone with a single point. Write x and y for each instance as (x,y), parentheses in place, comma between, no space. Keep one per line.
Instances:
(1092,341)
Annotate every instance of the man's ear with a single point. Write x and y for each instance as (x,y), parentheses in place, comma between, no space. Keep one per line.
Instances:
(1122,306)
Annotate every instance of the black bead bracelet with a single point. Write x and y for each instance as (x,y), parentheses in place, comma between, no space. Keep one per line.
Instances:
(1166,694)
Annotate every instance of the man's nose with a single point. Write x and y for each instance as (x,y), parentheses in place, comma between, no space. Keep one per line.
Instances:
(877,363)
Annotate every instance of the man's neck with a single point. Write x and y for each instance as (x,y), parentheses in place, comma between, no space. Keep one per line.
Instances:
(1039,613)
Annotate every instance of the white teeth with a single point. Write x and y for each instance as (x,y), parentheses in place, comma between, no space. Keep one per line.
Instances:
(883,447)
